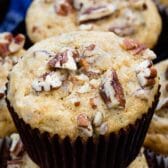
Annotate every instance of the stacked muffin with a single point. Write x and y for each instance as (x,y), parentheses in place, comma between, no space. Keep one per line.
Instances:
(125,18)
(11,48)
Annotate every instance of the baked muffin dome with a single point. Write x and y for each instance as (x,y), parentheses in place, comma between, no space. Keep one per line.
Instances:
(46,18)
(83,84)
(11,48)
(157,137)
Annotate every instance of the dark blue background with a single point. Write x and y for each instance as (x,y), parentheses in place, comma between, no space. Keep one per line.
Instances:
(12,13)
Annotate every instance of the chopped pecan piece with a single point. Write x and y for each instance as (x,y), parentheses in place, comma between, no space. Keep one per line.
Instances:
(93,103)
(91,47)
(63,7)
(146,74)
(96,12)
(124,30)
(111,90)
(16,149)
(64,60)
(103,129)
(84,125)
(133,46)
(17,43)
(98,119)
(83,63)
(10,44)
(48,81)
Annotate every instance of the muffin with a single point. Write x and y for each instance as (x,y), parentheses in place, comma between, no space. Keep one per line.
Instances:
(13,153)
(11,48)
(83,98)
(125,18)
(157,137)
(140,161)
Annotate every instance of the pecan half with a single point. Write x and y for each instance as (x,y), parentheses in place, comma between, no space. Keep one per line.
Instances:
(48,81)
(63,7)
(124,30)
(146,74)
(96,12)
(64,60)
(133,46)
(111,90)
(84,125)
(16,149)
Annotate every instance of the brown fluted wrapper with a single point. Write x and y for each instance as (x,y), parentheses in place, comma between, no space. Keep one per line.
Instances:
(116,150)
(156,160)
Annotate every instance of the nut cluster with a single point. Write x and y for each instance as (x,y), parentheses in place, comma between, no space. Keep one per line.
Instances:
(91,126)
(16,151)
(111,90)
(10,44)
(146,74)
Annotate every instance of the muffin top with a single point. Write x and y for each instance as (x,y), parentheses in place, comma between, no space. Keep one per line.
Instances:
(83,84)
(11,48)
(157,138)
(126,18)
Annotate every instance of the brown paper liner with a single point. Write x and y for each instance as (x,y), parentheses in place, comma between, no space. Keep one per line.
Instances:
(156,160)
(116,150)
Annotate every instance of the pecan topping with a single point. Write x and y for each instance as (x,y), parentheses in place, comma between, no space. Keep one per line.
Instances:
(146,74)
(98,119)
(48,81)
(10,44)
(111,90)
(93,103)
(64,60)
(84,64)
(84,125)
(16,149)
(63,7)
(124,30)
(96,12)
(133,46)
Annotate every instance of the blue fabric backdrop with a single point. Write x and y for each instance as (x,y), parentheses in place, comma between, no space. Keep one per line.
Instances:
(14,15)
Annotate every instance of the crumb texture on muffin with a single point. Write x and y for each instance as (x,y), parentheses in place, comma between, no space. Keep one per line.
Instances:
(125,18)
(83,83)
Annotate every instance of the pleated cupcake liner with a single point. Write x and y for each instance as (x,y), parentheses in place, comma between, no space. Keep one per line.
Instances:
(156,160)
(116,150)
